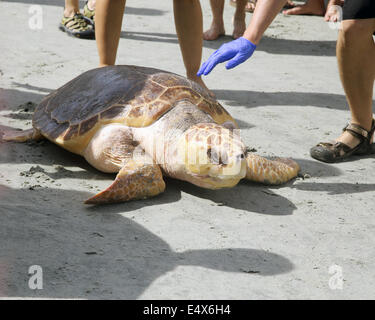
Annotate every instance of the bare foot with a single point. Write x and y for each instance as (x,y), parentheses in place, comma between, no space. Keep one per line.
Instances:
(239,25)
(290,4)
(311,7)
(250,6)
(200,82)
(333,13)
(70,12)
(216,30)
(91,4)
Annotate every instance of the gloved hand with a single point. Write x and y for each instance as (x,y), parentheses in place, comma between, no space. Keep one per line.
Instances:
(236,52)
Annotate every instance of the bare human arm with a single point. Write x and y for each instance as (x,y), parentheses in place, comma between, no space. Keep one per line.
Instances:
(265,12)
(238,51)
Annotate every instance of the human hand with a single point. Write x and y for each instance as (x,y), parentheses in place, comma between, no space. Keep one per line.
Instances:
(237,51)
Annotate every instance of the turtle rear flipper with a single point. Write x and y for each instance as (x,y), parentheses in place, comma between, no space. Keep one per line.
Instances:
(138,179)
(276,171)
(22,135)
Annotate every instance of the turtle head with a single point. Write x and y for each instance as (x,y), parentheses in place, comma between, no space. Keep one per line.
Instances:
(212,156)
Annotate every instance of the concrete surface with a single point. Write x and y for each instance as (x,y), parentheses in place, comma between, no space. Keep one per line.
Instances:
(249,242)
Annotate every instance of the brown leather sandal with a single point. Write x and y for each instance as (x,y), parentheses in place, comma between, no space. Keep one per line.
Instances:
(338,151)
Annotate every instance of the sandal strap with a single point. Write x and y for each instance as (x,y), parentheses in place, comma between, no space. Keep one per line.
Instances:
(359,132)
(77,22)
(337,151)
(372,130)
(337,148)
(87,12)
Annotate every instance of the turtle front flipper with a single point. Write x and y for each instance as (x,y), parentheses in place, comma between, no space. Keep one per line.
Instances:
(138,179)
(276,171)
(21,135)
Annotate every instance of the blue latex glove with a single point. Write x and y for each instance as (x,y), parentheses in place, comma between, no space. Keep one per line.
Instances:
(236,52)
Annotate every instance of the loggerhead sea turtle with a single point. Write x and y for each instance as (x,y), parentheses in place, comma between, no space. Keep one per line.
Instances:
(143,123)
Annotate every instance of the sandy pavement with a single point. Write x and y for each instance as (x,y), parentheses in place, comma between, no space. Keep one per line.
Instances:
(249,242)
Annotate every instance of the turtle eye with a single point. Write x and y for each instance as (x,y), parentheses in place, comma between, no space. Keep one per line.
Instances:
(223,159)
(217,158)
(213,156)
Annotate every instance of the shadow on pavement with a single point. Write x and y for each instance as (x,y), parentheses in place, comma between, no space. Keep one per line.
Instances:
(12,99)
(143,11)
(318,169)
(269,45)
(285,46)
(31,87)
(335,188)
(245,196)
(128,10)
(252,99)
(92,253)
